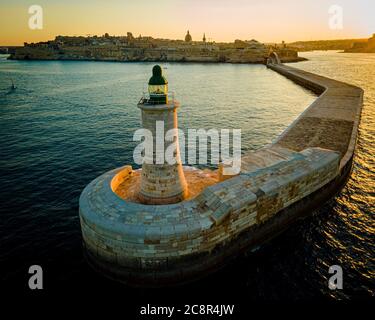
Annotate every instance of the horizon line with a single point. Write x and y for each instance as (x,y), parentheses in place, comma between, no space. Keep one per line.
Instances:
(160,38)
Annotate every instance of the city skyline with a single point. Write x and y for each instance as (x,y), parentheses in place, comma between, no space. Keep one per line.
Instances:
(221,21)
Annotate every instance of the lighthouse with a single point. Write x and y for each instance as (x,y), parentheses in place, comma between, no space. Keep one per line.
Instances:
(162,182)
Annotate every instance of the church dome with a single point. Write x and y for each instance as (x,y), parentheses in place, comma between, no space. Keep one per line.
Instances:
(188,37)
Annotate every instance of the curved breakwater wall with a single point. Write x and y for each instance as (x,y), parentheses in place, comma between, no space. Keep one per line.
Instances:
(158,244)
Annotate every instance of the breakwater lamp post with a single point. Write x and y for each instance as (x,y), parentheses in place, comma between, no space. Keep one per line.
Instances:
(161,182)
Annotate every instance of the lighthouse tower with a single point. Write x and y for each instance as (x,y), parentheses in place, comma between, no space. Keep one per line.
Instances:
(161,182)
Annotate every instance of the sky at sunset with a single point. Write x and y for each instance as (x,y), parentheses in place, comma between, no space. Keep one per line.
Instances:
(221,20)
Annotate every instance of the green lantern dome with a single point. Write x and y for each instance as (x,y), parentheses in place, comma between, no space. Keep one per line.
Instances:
(157,76)
(158,87)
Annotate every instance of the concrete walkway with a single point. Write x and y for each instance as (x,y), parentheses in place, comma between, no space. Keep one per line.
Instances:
(331,122)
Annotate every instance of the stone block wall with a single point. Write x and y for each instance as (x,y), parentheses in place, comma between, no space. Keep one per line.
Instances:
(161,182)
(154,237)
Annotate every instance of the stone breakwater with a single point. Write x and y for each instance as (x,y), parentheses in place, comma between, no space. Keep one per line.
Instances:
(160,244)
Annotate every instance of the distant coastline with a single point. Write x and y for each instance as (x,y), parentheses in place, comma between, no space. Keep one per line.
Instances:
(363,46)
(147,49)
(345,45)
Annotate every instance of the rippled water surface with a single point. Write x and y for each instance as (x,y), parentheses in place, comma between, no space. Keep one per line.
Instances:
(68,122)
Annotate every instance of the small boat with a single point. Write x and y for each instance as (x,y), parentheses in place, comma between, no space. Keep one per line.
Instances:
(12,87)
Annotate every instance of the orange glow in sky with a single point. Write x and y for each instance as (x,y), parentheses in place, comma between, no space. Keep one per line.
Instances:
(221,20)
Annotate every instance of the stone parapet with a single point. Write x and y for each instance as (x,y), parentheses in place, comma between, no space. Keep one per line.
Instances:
(128,234)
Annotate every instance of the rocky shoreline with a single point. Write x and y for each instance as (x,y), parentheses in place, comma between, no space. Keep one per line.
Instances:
(247,61)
